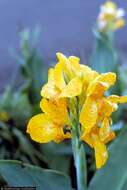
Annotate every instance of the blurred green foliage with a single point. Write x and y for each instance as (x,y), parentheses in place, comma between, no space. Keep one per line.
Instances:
(32,67)
(20,103)
(104,57)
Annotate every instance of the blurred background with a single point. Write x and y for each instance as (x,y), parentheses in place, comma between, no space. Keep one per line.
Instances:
(64,26)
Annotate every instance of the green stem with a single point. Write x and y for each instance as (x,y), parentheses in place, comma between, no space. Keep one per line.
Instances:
(80,161)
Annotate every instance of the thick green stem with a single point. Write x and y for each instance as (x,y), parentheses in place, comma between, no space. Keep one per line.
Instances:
(80,161)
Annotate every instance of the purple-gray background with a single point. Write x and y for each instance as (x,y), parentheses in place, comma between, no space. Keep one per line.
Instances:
(65,26)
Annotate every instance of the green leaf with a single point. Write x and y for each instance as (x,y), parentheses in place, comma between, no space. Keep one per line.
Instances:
(113,176)
(17,105)
(15,173)
(122,76)
(117,126)
(104,57)
(55,154)
(32,66)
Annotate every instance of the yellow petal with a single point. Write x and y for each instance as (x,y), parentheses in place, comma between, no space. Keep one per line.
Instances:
(60,71)
(96,89)
(74,65)
(63,62)
(105,132)
(106,107)
(56,110)
(89,76)
(86,137)
(89,137)
(101,154)
(49,90)
(101,84)
(117,99)
(119,24)
(110,137)
(89,114)
(59,76)
(61,57)
(73,60)
(94,141)
(105,129)
(66,66)
(72,89)
(108,78)
(41,129)
(85,68)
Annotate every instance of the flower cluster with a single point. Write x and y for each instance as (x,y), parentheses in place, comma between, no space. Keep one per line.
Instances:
(75,93)
(110,17)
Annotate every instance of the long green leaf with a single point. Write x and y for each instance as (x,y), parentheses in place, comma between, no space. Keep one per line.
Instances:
(17,174)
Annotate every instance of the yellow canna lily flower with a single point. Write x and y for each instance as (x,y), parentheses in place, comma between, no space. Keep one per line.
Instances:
(96,111)
(117,99)
(110,17)
(101,114)
(76,95)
